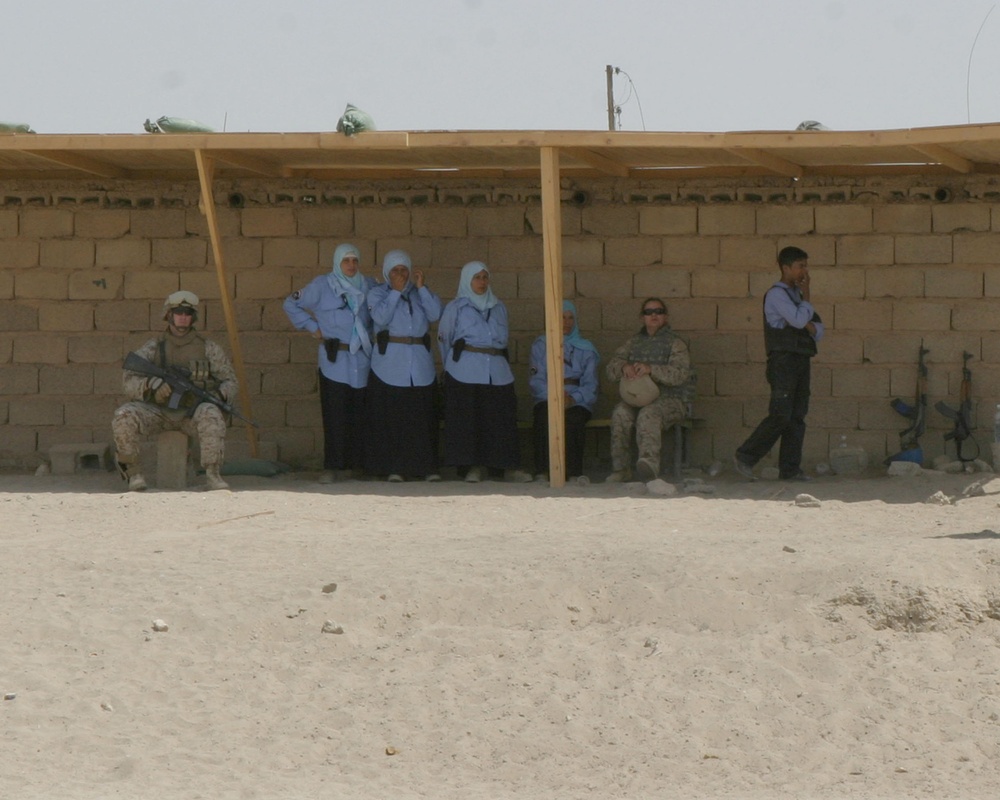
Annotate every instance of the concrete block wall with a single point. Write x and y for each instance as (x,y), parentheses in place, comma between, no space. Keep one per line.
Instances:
(894,262)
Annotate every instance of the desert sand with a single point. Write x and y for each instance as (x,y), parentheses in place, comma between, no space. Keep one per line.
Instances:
(499,640)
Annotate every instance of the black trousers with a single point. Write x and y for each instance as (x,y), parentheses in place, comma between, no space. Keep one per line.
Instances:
(402,429)
(788,375)
(343,410)
(576,420)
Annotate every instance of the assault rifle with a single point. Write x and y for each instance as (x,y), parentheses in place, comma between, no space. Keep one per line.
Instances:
(179,379)
(963,416)
(909,438)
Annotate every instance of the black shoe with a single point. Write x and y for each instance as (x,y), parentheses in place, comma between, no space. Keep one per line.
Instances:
(799,477)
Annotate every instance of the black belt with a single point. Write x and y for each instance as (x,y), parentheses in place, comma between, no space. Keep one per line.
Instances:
(572,381)
(490,351)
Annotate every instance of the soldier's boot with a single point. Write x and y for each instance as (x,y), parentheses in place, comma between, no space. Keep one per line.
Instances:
(131,475)
(213,480)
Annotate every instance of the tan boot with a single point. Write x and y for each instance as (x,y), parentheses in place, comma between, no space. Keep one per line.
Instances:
(213,480)
(619,476)
(136,483)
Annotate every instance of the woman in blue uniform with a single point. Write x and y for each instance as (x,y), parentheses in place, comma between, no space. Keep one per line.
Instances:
(402,425)
(580,383)
(480,407)
(332,309)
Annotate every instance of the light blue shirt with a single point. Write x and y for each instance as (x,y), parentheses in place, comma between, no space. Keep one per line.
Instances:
(578,364)
(783,306)
(319,307)
(489,328)
(403,364)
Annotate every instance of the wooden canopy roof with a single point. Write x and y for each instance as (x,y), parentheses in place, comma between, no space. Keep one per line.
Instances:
(502,154)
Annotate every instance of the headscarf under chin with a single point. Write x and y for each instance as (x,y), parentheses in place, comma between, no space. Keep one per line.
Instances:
(337,273)
(484,301)
(573,337)
(396,258)
(352,290)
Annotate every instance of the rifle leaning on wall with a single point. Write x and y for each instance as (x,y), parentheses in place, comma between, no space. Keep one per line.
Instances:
(179,379)
(963,416)
(909,438)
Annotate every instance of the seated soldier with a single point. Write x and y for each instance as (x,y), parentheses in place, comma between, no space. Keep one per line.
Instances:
(150,410)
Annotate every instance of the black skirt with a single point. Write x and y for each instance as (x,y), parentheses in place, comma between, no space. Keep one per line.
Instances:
(401,432)
(343,410)
(480,425)
(576,435)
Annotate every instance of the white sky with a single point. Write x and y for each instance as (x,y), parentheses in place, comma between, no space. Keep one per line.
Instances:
(104,66)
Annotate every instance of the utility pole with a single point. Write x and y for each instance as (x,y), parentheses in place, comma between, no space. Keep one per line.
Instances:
(611,98)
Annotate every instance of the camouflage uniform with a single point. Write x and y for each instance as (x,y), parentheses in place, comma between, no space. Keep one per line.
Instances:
(675,381)
(142,417)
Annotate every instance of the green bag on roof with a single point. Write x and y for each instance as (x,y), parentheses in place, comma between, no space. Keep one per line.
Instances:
(176,125)
(15,127)
(354,120)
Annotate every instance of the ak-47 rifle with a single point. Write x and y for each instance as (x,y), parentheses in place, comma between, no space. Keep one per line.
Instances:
(963,416)
(909,438)
(179,379)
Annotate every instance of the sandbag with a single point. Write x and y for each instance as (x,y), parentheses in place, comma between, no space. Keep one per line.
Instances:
(15,127)
(176,125)
(354,120)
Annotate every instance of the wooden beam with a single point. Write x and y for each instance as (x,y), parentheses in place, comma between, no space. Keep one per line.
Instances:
(91,166)
(553,280)
(767,160)
(206,172)
(598,161)
(941,155)
(261,166)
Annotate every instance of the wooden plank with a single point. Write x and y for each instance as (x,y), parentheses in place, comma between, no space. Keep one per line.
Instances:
(768,160)
(553,279)
(245,161)
(597,161)
(942,155)
(206,172)
(92,166)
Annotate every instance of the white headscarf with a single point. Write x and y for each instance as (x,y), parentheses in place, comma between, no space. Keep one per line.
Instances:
(484,301)
(396,258)
(352,289)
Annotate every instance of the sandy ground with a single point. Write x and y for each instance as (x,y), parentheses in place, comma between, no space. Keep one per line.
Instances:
(499,640)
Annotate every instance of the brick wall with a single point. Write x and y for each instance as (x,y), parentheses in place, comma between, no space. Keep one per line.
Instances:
(894,261)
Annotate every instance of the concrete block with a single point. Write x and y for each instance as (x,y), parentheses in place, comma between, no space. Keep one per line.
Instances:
(124,254)
(40,349)
(869,250)
(155,285)
(109,223)
(455,253)
(633,251)
(917,315)
(18,379)
(8,223)
(325,221)
(159,223)
(265,222)
(496,221)
(952,282)
(668,220)
(418,248)
(238,254)
(726,220)
(950,217)
(974,248)
(748,252)
(171,460)
(894,282)
(18,317)
(95,349)
(867,381)
(179,253)
(582,251)
(376,223)
(719,348)
(902,219)
(891,348)
(36,284)
(74,316)
(602,220)
(571,219)
(66,459)
(837,283)
(774,219)
(291,253)
(714,282)
(229,221)
(36,411)
(862,315)
(95,285)
(690,250)
(693,315)
(18,253)
(822,250)
(263,284)
(978,316)
(606,283)
(6,285)
(840,348)
(46,223)
(267,348)
(124,315)
(435,221)
(515,252)
(663,283)
(912,249)
(740,315)
(843,219)
(292,379)
(66,253)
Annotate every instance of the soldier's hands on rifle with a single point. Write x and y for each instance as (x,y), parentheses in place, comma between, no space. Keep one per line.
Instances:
(161,390)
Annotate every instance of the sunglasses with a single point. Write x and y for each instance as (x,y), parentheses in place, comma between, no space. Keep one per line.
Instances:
(653,312)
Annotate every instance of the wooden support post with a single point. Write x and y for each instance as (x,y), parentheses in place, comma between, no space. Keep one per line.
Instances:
(206,171)
(553,279)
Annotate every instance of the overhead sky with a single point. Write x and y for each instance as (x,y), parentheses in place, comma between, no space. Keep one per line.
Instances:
(104,66)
